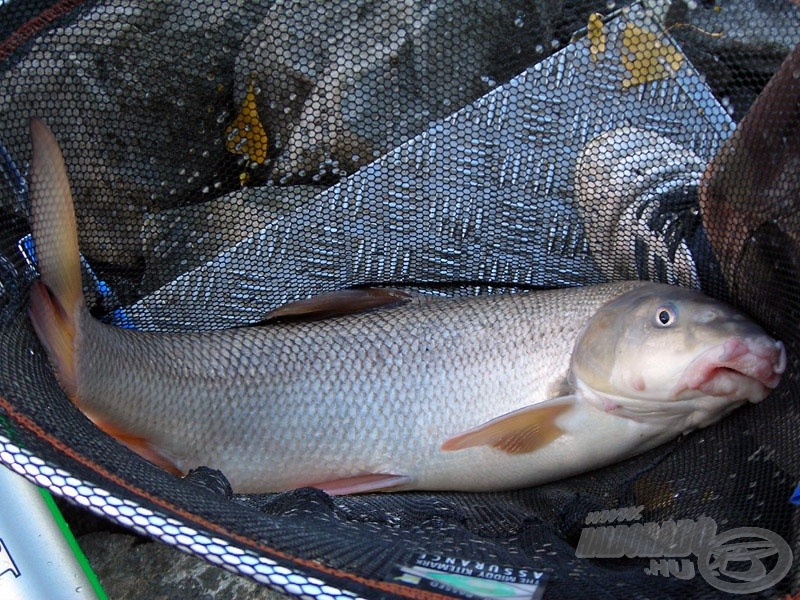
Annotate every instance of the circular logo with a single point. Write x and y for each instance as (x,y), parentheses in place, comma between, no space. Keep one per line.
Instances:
(745,560)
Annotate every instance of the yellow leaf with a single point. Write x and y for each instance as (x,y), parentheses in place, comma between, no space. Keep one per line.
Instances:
(646,57)
(596,35)
(246,134)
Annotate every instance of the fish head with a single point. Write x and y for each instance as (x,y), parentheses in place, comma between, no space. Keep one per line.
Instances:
(666,351)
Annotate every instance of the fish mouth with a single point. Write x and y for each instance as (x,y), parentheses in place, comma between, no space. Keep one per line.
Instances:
(739,368)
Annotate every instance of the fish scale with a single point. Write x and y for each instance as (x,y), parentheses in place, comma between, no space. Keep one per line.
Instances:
(463,360)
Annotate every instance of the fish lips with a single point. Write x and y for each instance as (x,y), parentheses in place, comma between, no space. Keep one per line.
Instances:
(739,369)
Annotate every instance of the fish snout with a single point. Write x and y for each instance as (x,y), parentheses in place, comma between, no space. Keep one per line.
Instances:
(742,368)
(761,358)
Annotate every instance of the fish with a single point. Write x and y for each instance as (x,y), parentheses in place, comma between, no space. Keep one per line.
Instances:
(406,393)
(645,229)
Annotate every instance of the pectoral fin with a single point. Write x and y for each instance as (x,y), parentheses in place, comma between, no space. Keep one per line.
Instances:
(337,304)
(517,432)
(360,484)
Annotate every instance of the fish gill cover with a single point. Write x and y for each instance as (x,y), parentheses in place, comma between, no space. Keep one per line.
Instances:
(227,158)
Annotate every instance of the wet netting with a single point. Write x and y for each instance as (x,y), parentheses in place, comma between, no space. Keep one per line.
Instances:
(228,158)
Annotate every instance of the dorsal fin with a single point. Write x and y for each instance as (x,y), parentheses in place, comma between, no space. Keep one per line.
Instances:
(337,304)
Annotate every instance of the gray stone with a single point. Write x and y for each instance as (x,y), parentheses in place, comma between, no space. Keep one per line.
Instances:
(340,83)
(738,44)
(138,100)
(134,568)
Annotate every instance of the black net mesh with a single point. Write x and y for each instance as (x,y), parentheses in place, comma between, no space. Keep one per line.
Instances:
(229,157)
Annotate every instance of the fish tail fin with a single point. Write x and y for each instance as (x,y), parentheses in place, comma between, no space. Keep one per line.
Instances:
(55,302)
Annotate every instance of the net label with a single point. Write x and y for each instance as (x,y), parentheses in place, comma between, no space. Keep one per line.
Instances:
(465,578)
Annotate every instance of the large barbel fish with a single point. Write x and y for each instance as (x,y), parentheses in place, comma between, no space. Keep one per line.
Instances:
(477,393)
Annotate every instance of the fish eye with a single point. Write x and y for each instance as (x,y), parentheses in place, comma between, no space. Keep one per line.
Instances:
(665,316)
